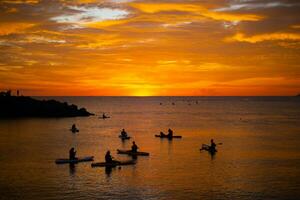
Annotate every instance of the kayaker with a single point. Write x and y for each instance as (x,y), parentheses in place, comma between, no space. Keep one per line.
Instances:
(72,154)
(108,157)
(73,127)
(134,147)
(212,145)
(170,133)
(123,133)
(162,134)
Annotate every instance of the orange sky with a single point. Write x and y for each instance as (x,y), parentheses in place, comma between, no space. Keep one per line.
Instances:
(142,48)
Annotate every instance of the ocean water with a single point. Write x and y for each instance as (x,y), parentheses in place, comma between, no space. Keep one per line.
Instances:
(259,157)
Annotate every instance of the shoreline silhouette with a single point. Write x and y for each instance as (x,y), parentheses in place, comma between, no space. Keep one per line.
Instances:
(24,106)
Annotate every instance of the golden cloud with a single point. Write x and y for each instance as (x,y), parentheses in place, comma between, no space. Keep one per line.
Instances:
(195,9)
(97,41)
(9,28)
(296,26)
(20,1)
(240,37)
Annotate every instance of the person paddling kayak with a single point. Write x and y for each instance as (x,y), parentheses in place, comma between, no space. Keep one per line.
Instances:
(170,133)
(212,145)
(162,134)
(134,147)
(124,133)
(109,158)
(211,148)
(73,128)
(72,154)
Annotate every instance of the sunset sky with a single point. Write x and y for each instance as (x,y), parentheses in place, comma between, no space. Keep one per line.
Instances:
(142,48)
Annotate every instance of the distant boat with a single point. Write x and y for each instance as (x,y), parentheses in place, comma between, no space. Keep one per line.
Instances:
(74,130)
(104,116)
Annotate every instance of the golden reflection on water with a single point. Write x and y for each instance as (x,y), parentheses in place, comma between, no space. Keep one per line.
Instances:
(259,150)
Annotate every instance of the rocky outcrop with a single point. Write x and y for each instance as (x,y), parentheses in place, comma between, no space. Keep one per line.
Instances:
(21,106)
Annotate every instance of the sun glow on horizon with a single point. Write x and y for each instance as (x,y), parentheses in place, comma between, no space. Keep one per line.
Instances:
(142,93)
(150,48)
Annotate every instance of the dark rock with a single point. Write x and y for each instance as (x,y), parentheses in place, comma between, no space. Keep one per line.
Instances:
(21,106)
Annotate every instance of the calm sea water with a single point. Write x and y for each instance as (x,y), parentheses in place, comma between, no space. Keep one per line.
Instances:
(259,158)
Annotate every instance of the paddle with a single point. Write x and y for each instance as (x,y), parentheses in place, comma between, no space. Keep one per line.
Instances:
(220,143)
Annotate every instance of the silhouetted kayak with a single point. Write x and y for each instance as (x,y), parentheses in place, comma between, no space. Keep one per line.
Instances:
(74,130)
(129,152)
(207,148)
(165,136)
(103,117)
(80,159)
(124,138)
(114,164)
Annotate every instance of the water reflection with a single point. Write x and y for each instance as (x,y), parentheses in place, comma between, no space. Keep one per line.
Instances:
(212,154)
(72,169)
(124,142)
(163,142)
(108,171)
(257,154)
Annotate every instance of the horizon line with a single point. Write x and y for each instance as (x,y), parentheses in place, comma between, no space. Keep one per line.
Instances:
(164,96)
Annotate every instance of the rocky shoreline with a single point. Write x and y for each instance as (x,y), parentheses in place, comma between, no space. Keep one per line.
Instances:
(23,106)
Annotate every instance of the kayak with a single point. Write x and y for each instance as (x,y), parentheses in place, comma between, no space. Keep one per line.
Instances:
(124,138)
(74,130)
(207,148)
(103,117)
(129,152)
(165,136)
(80,159)
(114,164)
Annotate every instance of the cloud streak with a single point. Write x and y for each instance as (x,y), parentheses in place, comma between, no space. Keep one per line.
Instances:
(195,9)
(8,28)
(240,37)
(253,6)
(84,15)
